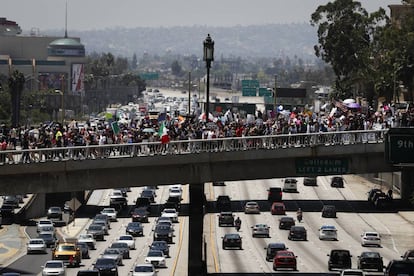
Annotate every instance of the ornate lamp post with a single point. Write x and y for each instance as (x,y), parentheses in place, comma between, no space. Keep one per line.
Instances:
(208,57)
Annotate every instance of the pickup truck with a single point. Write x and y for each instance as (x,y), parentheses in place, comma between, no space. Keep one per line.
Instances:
(67,252)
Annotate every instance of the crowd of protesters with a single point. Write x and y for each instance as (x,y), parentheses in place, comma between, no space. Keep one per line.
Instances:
(189,128)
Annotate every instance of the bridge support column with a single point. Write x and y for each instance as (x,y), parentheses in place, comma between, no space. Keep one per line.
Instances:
(196,264)
(407,183)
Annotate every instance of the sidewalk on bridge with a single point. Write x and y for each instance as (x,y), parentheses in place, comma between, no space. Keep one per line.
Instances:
(74,228)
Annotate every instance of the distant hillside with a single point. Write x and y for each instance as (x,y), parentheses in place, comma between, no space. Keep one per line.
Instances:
(273,40)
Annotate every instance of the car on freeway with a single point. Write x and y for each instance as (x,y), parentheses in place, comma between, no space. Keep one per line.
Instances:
(297,233)
(278,208)
(232,240)
(337,182)
(173,202)
(49,238)
(161,245)
(43,222)
(370,260)
(226,218)
(103,217)
(284,259)
(134,229)
(223,203)
(328,232)
(123,247)
(111,213)
(68,253)
(274,194)
(54,212)
(144,270)
(371,238)
(36,246)
(372,192)
(273,248)
(163,233)
(113,253)
(339,259)
(128,239)
(88,272)
(399,267)
(150,194)
(84,249)
(352,272)
(219,183)
(88,239)
(47,229)
(290,185)
(143,202)
(156,257)
(140,214)
(122,191)
(98,231)
(408,255)
(310,181)
(175,192)
(286,223)
(260,229)
(251,207)
(11,200)
(104,225)
(328,211)
(54,267)
(382,201)
(106,266)
(7,212)
(118,202)
(170,213)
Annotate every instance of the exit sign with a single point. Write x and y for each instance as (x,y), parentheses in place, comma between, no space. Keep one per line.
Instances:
(399,145)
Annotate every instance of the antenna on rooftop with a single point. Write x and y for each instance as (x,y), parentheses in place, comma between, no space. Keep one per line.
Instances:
(66,20)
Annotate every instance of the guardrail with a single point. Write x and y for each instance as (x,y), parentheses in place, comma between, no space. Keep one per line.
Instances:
(194,146)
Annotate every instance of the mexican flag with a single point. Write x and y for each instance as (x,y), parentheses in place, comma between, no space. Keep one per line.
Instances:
(163,133)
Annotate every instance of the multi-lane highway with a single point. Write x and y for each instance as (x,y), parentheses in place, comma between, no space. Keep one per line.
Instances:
(354,216)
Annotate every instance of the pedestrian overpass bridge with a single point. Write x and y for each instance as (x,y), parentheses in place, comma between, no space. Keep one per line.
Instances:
(194,161)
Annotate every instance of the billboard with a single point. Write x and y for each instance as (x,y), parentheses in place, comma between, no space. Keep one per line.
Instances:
(52,80)
(78,75)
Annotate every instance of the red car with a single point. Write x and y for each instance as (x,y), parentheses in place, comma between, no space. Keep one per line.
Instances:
(278,208)
(284,259)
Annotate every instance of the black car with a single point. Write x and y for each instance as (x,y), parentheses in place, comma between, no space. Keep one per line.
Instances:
(219,183)
(173,202)
(223,203)
(226,218)
(310,181)
(140,214)
(149,194)
(98,231)
(123,247)
(340,259)
(286,223)
(11,200)
(118,202)
(382,201)
(399,267)
(49,238)
(163,233)
(372,192)
(106,266)
(143,202)
(7,211)
(370,260)
(337,182)
(54,212)
(273,248)
(329,211)
(135,229)
(84,248)
(88,273)
(232,240)
(297,233)
(161,245)
(274,194)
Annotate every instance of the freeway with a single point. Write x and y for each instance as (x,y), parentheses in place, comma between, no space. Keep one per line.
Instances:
(31,264)
(397,232)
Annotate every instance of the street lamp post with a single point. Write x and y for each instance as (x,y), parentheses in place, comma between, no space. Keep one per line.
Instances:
(208,57)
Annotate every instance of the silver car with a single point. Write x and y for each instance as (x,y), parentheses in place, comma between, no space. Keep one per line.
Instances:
(36,245)
(54,268)
(252,207)
(260,229)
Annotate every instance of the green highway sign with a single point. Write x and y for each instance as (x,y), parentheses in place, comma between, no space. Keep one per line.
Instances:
(320,166)
(149,76)
(263,91)
(399,145)
(249,91)
(250,83)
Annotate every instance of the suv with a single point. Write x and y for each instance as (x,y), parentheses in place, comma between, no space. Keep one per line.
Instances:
(226,218)
(274,194)
(310,181)
(54,212)
(286,223)
(273,248)
(297,233)
(337,182)
(290,185)
(399,267)
(339,258)
(173,202)
(223,203)
(329,211)
(143,202)
(69,253)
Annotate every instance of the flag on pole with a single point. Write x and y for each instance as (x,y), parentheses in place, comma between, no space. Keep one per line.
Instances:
(163,133)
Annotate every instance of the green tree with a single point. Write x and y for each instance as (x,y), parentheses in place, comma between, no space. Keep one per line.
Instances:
(16,85)
(134,62)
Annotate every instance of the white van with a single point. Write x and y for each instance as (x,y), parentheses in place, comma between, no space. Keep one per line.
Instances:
(290,185)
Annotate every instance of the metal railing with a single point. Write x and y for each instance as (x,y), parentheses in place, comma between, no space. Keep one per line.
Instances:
(192,146)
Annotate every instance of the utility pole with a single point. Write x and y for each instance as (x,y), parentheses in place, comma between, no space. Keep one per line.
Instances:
(189,93)
(274,95)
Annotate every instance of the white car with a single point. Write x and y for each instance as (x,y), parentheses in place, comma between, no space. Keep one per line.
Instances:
(43,222)
(88,239)
(111,213)
(144,270)
(352,272)
(260,229)
(371,238)
(156,257)
(54,268)
(175,192)
(170,213)
(328,232)
(252,207)
(36,245)
(128,239)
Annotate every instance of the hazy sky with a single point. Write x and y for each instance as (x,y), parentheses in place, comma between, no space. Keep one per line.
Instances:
(100,14)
